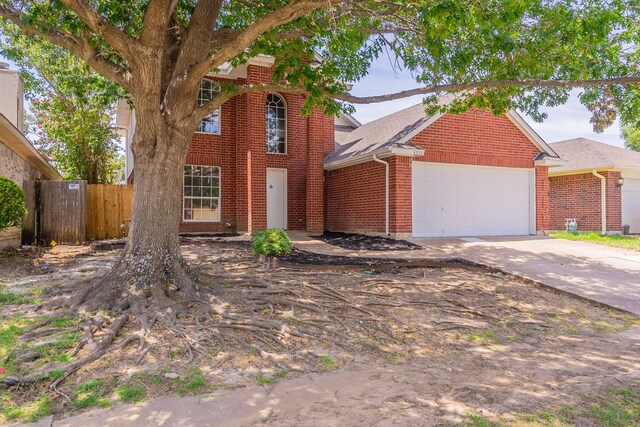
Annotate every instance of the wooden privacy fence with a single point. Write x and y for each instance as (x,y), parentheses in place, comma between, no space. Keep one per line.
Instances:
(108,210)
(63,212)
(70,212)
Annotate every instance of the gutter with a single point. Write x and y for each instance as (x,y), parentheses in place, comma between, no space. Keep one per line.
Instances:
(603,192)
(386,193)
(380,153)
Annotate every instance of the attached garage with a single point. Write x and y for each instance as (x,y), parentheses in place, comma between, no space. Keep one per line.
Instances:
(463,200)
(409,174)
(631,204)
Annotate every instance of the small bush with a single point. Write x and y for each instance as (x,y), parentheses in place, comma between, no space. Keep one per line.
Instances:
(271,241)
(12,207)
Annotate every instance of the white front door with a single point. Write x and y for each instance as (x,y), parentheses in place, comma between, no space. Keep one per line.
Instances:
(276,198)
(461,200)
(631,204)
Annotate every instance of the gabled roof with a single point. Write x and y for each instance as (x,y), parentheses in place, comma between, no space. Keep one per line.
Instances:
(584,154)
(396,130)
(16,141)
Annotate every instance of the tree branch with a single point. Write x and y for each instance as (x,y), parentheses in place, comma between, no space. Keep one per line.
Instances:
(79,48)
(156,22)
(284,15)
(458,87)
(126,46)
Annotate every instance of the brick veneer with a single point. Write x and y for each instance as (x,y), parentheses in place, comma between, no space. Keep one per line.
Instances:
(543,216)
(355,198)
(578,196)
(240,152)
(476,137)
(355,194)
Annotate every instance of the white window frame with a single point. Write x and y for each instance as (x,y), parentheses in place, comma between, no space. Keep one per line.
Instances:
(219,198)
(286,124)
(214,88)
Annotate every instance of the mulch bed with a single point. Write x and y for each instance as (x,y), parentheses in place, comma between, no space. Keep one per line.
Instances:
(362,242)
(301,257)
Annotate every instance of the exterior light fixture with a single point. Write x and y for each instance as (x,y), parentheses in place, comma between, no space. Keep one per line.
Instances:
(620,182)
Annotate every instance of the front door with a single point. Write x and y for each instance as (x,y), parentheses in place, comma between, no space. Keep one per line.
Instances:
(277,198)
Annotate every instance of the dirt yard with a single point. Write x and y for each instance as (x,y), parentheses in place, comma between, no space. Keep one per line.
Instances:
(427,344)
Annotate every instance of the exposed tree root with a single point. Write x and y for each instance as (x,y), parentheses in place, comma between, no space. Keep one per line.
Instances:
(273,313)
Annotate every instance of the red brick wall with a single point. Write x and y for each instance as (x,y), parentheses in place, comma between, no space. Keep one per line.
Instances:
(400,195)
(578,196)
(476,138)
(355,194)
(355,198)
(542,198)
(240,151)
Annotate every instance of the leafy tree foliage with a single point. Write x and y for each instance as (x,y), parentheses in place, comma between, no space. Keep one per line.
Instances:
(71,107)
(631,136)
(12,205)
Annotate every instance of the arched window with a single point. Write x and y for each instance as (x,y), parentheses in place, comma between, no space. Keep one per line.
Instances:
(276,124)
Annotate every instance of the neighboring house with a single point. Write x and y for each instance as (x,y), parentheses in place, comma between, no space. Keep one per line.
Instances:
(19,160)
(408,174)
(255,163)
(576,187)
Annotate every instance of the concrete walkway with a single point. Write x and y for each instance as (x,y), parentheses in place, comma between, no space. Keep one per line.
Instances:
(603,274)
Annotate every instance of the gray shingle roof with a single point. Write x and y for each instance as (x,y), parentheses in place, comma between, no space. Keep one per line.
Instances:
(388,131)
(582,153)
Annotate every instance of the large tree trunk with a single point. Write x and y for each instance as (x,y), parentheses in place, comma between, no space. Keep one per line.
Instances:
(150,276)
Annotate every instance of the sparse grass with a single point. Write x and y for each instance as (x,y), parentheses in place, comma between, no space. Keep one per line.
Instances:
(14,298)
(129,393)
(31,412)
(193,382)
(90,394)
(615,407)
(615,240)
(485,337)
(328,362)
(264,380)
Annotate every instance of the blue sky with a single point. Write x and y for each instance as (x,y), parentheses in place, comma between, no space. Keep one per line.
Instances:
(564,122)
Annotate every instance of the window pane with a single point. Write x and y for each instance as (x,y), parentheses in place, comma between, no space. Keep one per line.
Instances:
(201,197)
(276,124)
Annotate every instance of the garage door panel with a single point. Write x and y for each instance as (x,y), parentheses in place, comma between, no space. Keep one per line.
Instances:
(631,204)
(455,200)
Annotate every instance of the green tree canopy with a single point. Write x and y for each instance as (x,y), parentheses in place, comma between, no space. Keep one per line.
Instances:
(631,136)
(71,107)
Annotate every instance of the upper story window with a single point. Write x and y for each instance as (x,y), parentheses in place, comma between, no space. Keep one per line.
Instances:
(211,123)
(276,124)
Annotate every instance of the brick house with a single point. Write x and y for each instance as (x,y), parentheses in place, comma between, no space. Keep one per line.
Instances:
(408,174)
(257,162)
(254,163)
(20,161)
(576,188)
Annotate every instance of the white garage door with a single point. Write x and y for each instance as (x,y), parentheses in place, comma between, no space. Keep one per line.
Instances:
(460,200)
(631,204)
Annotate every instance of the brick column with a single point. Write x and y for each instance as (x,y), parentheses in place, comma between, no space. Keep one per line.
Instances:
(614,202)
(243,200)
(400,215)
(542,198)
(320,142)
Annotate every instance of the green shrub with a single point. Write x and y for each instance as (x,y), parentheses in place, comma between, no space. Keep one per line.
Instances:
(271,241)
(12,208)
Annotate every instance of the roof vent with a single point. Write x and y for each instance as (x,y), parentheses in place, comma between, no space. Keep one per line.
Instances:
(4,66)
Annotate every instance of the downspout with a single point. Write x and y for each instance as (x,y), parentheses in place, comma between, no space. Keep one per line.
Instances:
(603,193)
(386,192)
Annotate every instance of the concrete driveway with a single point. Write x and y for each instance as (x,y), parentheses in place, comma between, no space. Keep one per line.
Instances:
(599,273)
